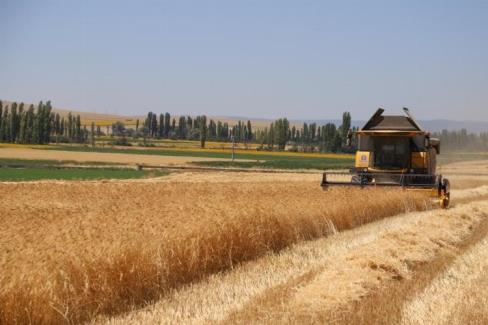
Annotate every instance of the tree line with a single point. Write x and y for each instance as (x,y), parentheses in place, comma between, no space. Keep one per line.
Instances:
(163,126)
(462,140)
(38,125)
(309,138)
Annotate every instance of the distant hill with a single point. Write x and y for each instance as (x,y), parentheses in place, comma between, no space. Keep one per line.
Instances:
(108,119)
(471,126)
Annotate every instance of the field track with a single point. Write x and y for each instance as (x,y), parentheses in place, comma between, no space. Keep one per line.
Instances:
(120,158)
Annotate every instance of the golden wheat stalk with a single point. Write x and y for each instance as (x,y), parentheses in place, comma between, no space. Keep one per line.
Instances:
(77,249)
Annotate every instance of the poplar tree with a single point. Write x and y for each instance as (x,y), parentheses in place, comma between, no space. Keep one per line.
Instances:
(154,125)
(69,127)
(30,116)
(189,123)
(271,136)
(147,123)
(35,124)
(13,122)
(249,130)
(336,143)
(212,129)
(57,124)
(78,131)
(220,130)
(328,135)
(1,121)
(20,116)
(93,134)
(225,130)
(23,129)
(46,122)
(161,126)
(182,127)
(346,125)
(6,125)
(203,131)
(62,127)
(167,124)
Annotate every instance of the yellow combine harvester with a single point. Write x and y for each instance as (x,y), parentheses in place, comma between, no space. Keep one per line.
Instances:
(394,151)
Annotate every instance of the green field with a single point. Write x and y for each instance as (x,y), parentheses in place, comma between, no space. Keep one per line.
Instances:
(54,173)
(163,152)
(33,163)
(281,161)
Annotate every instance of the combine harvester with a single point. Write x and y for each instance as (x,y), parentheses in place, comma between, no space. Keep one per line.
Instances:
(394,151)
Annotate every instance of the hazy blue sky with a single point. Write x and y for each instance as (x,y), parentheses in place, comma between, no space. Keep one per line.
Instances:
(300,59)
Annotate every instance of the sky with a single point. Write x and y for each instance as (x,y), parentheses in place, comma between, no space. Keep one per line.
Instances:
(258,59)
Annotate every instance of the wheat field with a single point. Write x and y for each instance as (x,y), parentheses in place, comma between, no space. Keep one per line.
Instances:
(102,157)
(76,250)
(412,268)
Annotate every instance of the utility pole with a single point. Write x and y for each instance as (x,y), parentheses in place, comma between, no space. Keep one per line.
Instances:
(233,146)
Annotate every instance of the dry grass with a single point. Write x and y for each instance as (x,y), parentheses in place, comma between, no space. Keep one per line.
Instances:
(453,297)
(413,300)
(73,250)
(466,168)
(122,158)
(328,295)
(465,182)
(472,307)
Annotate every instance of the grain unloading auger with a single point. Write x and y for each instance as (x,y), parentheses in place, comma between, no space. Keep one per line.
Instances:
(394,151)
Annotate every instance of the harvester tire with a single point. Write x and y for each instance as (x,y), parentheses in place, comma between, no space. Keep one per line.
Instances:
(445,193)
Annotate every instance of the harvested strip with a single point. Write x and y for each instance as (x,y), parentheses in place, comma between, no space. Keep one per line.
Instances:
(454,297)
(467,181)
(472,193)
(329,294)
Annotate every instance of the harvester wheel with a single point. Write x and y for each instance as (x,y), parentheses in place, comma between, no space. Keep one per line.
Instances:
(445,201)
(445,194)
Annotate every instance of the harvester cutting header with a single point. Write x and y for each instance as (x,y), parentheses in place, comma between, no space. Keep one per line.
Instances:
(394,151)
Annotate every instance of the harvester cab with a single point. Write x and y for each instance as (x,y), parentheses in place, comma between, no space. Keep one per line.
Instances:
(394,151)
